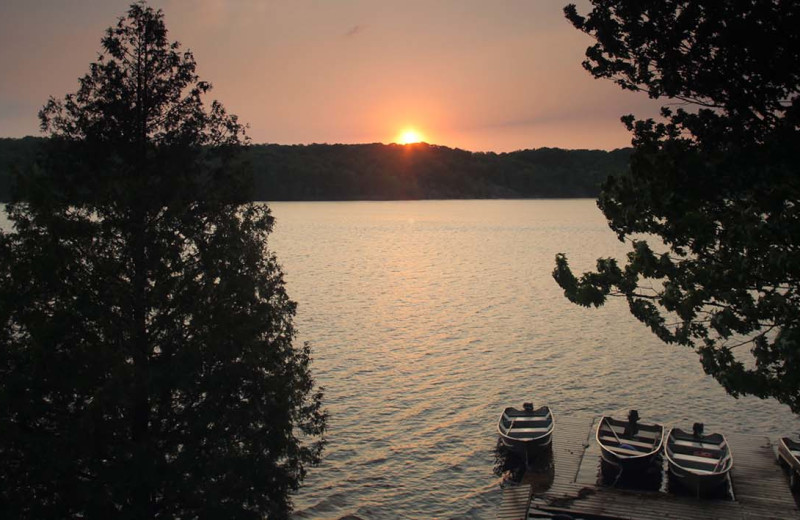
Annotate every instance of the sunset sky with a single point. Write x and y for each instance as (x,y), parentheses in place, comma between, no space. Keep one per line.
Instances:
(473,74)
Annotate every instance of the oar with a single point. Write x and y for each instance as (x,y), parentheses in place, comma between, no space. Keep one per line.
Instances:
(619,466)
(612,429)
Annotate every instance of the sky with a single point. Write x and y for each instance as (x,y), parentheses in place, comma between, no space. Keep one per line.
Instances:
(479,75)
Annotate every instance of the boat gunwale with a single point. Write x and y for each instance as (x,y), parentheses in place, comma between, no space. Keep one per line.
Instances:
(703,473)
(527,440)
(655,427)
(782,442)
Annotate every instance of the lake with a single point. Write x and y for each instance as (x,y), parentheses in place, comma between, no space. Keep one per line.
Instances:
(427,318)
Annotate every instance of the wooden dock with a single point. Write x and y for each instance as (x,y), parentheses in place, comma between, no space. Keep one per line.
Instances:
(759,488)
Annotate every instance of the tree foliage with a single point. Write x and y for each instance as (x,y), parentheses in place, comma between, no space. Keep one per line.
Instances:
(147,368)
(715,181)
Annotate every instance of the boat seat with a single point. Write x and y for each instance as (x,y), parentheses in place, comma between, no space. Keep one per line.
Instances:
(528,430)
(697,444)
(532,424)
(608,439)
(707,452)
(527,424)
(711,461)
(697,471)
(526,417)
(641,435)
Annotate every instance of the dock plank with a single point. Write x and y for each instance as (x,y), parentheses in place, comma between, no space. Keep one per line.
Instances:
(514,504)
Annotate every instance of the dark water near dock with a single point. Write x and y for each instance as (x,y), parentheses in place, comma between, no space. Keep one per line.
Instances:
(428,317)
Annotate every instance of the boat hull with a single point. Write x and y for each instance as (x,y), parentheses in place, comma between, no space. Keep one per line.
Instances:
(628,463)
(789,455)
(525,431)
(629,452)
(696,483)
(789,452)
(699,463)
(523,446)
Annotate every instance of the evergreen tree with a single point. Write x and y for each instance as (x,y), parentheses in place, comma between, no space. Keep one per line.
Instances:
(147,368)
(716,183)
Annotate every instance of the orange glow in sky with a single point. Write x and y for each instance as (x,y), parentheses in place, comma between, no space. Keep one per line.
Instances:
(452,73)
(409,136)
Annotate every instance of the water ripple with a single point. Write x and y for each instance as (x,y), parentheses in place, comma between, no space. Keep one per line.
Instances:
(427,318)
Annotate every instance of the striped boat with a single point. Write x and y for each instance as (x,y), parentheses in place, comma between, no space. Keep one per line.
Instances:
(701,463)
(526,429)
(628,445)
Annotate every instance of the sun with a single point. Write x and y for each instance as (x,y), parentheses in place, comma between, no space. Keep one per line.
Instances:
(409,136)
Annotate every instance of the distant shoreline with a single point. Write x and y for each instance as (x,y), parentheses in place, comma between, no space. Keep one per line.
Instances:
(389,172)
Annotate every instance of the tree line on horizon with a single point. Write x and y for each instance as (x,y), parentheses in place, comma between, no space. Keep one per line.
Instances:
(391,171)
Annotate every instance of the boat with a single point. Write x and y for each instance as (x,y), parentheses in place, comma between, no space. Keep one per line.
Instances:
(526,429)
(699,462)
(627,444)
(789,455)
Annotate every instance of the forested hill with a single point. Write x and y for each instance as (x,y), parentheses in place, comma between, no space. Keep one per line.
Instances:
(390,172)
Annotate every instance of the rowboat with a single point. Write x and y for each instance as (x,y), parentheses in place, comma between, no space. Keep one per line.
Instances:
(699,462)
(526,429)
(628,445)
(789,455)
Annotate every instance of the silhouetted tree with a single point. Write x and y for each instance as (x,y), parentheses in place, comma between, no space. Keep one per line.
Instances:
(716,182)
(146,361)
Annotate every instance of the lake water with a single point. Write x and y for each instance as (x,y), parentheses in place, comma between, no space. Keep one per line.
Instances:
(428,317)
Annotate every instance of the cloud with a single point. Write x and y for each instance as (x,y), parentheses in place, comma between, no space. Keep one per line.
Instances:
(356,29)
